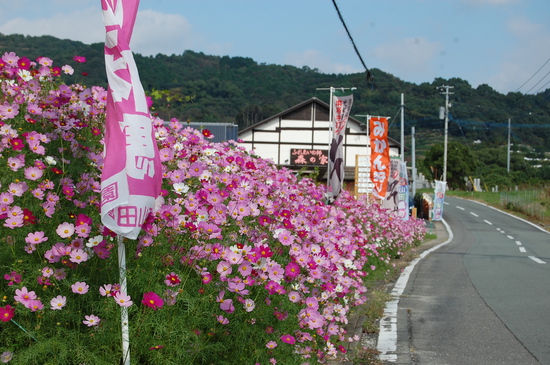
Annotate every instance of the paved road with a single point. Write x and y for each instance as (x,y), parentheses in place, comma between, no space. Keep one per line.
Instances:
(482,298)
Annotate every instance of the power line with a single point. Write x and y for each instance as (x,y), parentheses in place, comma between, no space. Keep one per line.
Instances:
(548,60)
(369,75)
(548,73)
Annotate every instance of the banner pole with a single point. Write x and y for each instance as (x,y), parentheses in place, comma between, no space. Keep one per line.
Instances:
(125,329)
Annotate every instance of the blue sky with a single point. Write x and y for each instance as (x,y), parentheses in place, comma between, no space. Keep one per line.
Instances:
(502,43)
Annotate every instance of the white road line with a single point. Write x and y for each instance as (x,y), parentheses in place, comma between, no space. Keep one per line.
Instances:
(446,203)
(510,237)
(537,260)
(489,223)
(387,335)
(475,215)
(522,249)
(460,208)
(518,243)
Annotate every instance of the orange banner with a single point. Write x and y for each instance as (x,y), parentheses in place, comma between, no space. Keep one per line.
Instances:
(380,155)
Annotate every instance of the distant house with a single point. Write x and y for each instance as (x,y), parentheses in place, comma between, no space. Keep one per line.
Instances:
(299,137)
(222,131)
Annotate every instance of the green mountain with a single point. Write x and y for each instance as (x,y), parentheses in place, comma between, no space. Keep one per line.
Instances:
(203,88)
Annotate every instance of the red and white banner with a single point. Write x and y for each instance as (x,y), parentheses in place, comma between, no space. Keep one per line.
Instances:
(380,155)
(342,102)
(132,176)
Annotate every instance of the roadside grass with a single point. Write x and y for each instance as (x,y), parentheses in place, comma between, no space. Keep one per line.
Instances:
(531,204)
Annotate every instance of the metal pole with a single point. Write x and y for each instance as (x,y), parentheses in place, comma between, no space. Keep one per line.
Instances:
(402,127)
(444,177)
(123,310)
(508,157)
(413,153)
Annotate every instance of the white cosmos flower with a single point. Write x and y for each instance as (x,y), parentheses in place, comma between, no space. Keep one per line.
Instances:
(180,188)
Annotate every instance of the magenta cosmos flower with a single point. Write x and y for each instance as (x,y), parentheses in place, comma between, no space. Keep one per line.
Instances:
(6,313)
(152,300)
(288,339)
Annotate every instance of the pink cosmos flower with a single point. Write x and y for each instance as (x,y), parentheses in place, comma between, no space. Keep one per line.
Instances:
(47,272)
(294,296)
(14,222)
(152,300)
(65,230)
(36,238)
(83,230)
(80,287)
(34,305)
(224,268)
(106,290)
(23,296)
(13,278)
(237,287)
(58,302)
(15,163)
(222,319)
(123,299)
(77,256)
(11,59)
(91,320)
(33,173)
(6,356)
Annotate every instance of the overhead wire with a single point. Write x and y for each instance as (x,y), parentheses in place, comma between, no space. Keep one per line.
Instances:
(369,75)
(528,91)
(541,67)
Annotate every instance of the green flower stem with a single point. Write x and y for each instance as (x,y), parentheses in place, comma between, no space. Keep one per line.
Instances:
(24,330)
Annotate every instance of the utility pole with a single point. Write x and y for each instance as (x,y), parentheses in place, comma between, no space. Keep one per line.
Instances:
(447,93)
(402,127)
(508,157)
(413,146)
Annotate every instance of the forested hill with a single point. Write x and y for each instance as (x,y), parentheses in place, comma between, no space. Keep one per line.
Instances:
(198,87)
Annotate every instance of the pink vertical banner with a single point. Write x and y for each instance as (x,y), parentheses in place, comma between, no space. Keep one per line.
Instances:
(131,178)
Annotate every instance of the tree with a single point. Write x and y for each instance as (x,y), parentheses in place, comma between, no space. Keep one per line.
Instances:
(460,163)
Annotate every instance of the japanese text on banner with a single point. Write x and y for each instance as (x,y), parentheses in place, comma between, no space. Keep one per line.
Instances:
(131,177)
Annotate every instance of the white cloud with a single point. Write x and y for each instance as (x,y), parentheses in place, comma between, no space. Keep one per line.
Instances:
(316,59)
(157,32)
(410,59)
(154,32)
(523,58)
(82,25)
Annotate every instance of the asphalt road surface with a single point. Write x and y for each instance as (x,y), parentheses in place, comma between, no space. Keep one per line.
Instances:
(481,298)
